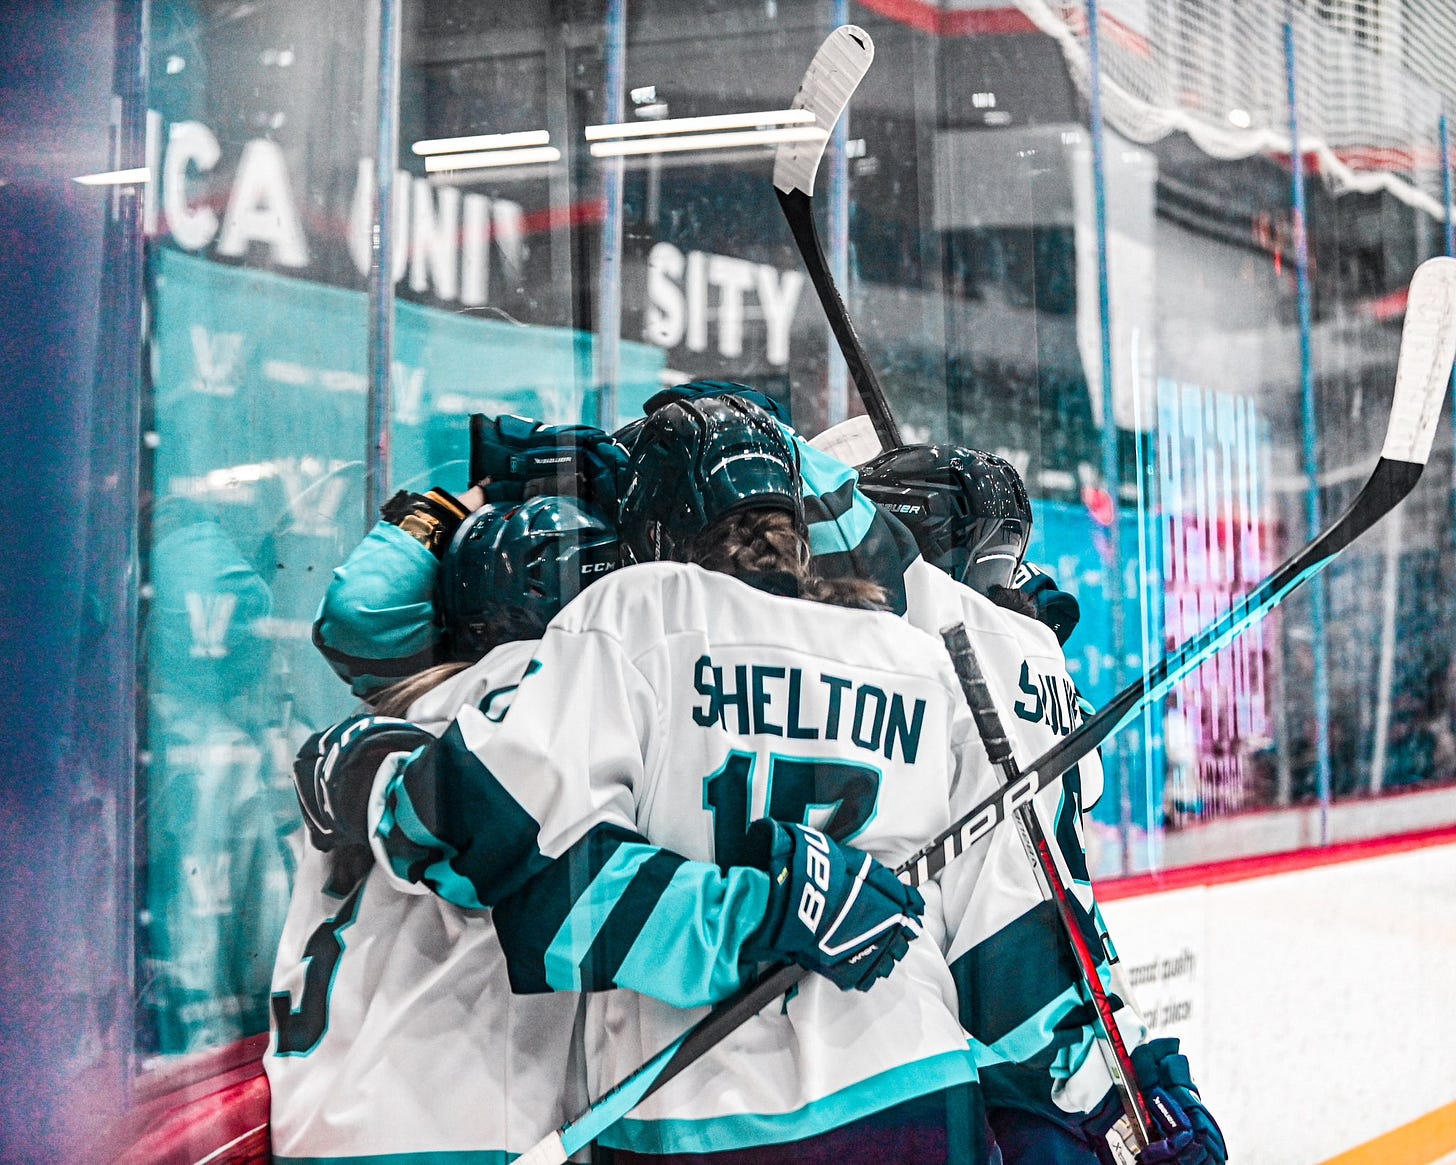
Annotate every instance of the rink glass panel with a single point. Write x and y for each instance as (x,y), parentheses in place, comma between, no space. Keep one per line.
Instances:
(252,471)
(960,210)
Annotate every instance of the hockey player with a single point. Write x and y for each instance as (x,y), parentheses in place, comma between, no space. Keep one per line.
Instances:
(674,704)
(377,623)
(852,536)
(1047,1089)
(394,1028)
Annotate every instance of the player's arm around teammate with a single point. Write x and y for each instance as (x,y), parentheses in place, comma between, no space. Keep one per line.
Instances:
(670,706)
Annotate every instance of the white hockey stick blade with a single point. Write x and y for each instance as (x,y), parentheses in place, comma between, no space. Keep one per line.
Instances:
(548,1151)
(853,441)
(1427,348)
(830,81)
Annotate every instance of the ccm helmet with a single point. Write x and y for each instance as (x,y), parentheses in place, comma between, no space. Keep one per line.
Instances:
(697,460)
(511,567)
(968,509)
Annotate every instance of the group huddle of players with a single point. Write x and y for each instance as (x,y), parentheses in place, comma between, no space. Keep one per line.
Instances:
(646,712)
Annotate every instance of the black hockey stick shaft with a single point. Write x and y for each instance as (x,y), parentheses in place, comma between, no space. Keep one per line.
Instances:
(798,210)
(825,91)
(1039,851)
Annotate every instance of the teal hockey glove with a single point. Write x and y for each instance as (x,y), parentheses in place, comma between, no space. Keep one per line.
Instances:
(832,908)
(335,770)
(512,458)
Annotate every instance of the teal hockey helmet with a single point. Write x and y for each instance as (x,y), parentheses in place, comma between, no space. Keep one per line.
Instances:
(697,460)
(511,567)
(967,508)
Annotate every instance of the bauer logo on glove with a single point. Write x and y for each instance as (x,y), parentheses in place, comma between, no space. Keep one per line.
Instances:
(831,909)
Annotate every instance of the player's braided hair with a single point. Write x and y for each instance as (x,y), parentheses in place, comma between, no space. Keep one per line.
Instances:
(761,542)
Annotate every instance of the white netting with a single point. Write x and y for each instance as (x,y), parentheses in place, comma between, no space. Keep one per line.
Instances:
(1371,76)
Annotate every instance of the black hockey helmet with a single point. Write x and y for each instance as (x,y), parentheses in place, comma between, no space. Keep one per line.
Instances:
(511,567)
(968,509)
(697,460)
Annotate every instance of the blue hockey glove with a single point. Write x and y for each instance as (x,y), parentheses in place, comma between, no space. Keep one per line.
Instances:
(509,454)
(832,908)
(700,389)
(1056,608)
(335,770)
(1189,1134)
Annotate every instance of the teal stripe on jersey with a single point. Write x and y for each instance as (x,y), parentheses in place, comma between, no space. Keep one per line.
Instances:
(1032,1039)
(822,473)
(589,914)
(629,914)
(847,531)
(439,1157)
(724,1134)
(417,855)
(529,921)
(445,800)
(674,958)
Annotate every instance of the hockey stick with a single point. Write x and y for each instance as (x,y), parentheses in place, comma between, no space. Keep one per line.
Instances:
(1428,345)
(1133,1132)
(828,84)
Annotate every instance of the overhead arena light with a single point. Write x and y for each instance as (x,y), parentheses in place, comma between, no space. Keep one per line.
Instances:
(490,159)
(707,141)
(116,177)
(672,125)
(487,141)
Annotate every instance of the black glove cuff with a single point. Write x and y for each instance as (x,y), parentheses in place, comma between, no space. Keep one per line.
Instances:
(429,518)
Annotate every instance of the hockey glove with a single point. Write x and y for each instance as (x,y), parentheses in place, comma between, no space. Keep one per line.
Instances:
(335,771)
(1186,1131)
(1056,608)
(831,908)
(1190,1134)
(701,389)
(509,455)
(429,518)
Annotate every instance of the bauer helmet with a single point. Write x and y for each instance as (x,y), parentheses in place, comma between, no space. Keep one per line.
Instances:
(967,509)
(697,460)
(511,567)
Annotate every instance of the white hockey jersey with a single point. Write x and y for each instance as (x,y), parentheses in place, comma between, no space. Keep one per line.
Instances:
(394,1028)
(672,705)
(1030,1025)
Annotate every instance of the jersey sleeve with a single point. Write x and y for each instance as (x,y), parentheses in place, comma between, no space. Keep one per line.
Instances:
(1021,1001)
(376,624)
(535,817)
(850,536)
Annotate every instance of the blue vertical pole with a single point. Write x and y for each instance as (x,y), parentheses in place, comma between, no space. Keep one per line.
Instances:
(381,261)
(836,405)
(1310,423)
(609,272)
(1446,186)
(1111,468)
